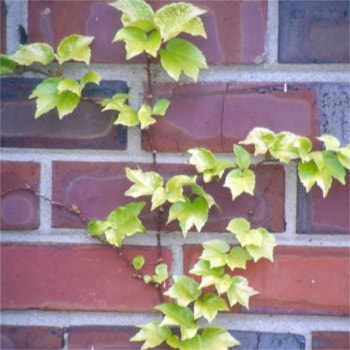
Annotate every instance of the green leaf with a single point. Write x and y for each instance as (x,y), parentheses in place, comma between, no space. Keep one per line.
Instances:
(26,55)
(237,258)
(330,142)
(152,334)
(343,155)
(90,77)
(175,185)
(209,306)
(218,339)
(334,166)
(145,116)
(214,251)
(115,103)
(176,315)
(137,41)
(284,147)
(238,225)
(179,17)
(240,181)
(221,283)
(76,48)
(127,116)
(184,290)
(145,183)
(6,64)
(202,159)
(240,291)
(159,197)
(66,103)
(304,146)
(261,138)
(242,157)
(189,344)
(202,268)
(180,55)
(69,84)
(97,227)
(138,262)
(136,13)
(161,106)
(308,173)
(265,249)
(189,214)
(161,273)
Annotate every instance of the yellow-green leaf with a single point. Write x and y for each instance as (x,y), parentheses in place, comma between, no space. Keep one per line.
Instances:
(26,55)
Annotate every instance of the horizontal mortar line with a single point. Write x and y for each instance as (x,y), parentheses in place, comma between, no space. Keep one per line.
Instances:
(80,236)
(245,322)
(252,73)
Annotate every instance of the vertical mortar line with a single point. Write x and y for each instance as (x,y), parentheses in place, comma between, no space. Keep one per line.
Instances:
(65,338)
(17,15)
(271,45)
(177,264)
(308,340)
(45,190)
(290,207)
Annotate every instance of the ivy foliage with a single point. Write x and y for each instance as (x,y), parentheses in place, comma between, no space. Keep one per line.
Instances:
(156,34)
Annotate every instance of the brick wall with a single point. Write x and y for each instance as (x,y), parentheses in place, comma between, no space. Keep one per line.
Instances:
(278,64)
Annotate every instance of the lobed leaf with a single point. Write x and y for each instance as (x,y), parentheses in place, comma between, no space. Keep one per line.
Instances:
(261,138)
(208,306)
(218,339)
(240,181)
(240,291)
(215,252)
(242,157)
(74,48)
(182,56)
(26,55)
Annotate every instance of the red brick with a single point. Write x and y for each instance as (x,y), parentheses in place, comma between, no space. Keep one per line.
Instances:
(3,26)
(227,112)
(31,337)
(236,29)
(99,188)
(20,207)
(325,215)
(86,127)
(103,338)
(330,340)
(302,280)
(76,277)
(314,32)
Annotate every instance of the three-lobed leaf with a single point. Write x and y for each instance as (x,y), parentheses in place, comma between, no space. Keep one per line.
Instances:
(240,291)
(208,306)
(240,181)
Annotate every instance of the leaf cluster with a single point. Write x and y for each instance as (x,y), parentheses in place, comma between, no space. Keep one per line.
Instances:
(156,33)
(318,167)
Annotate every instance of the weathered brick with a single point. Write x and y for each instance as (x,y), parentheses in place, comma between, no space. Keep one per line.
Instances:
(3,26)
(216,115)
(330,340)
(314,31)
(271,341)
(96,189)
(76,277)
(324,215)
(236,29)
(19,207)
(31,337)
(104,338)
(86,127)
(302,280)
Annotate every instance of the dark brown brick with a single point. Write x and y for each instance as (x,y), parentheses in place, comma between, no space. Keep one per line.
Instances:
(31,337)
(20,206)
(330,340)
(329,215)
(76,277)
(297,282)
(86,127)
(216,115)
(236,29)
(314,31)
(3,26)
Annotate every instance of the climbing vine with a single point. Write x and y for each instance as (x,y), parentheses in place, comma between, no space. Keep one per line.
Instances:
(214,284)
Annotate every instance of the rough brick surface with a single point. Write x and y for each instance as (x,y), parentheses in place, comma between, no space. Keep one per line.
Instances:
(19,207)
(99,188)
(302,280)
(104,338)
(86,127)
(270,341)
(330,340)
(30,338)
(74,277)
(324,215)
(216,115)
(3,26)
(314,31)
(236,29)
